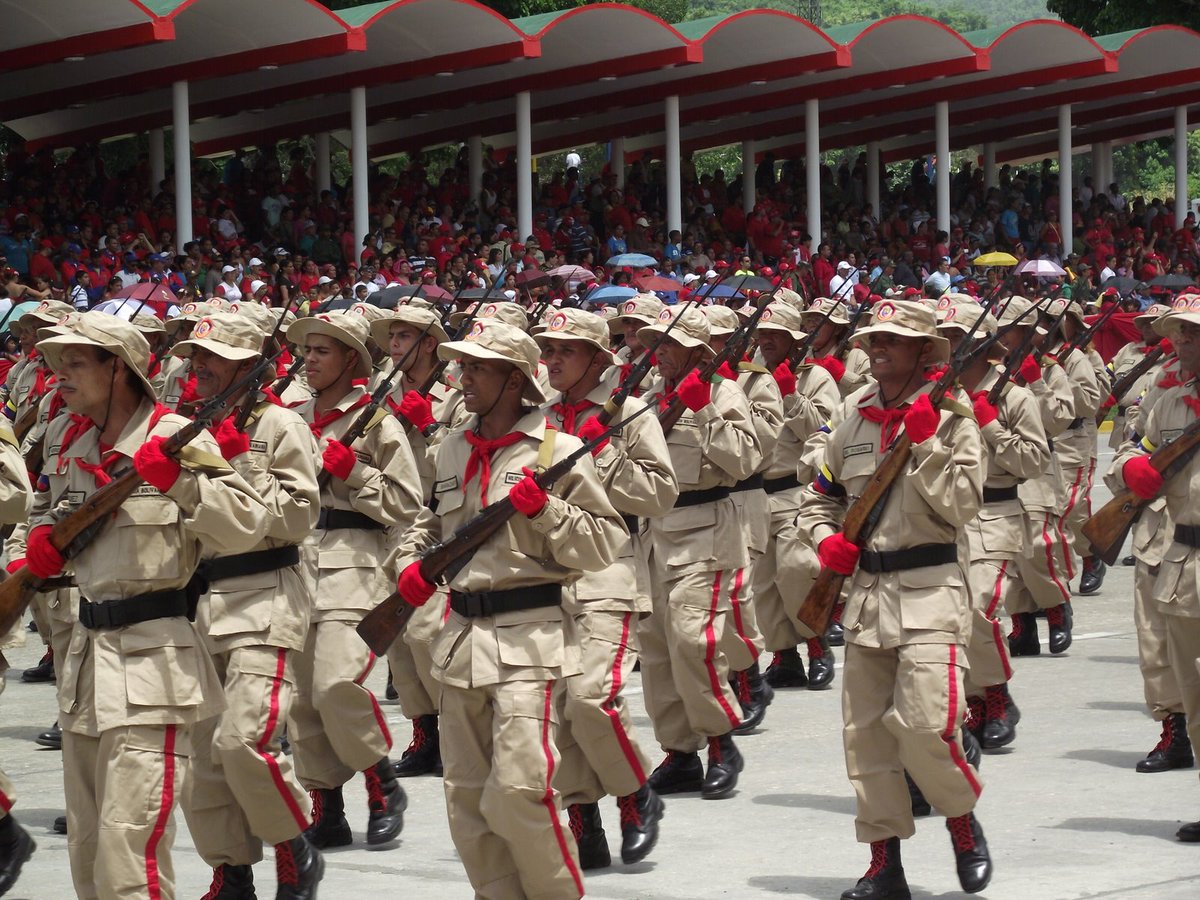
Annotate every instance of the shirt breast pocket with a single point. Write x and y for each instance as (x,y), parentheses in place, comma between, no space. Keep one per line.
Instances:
(148,539)
(686,455)
(531,639)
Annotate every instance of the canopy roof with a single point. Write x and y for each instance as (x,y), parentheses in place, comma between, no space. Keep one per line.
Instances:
(73,71)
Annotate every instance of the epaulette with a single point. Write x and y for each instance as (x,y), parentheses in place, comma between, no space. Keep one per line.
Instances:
(956,406)
(752,367)
(379,416)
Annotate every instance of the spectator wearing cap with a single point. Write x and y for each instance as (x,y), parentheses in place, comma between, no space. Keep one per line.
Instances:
(841,286)
(227,288)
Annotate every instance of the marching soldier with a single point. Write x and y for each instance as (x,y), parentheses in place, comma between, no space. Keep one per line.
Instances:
(136,680)
(830,320)
(600,750)
(508,640)
(1125,360)
(907,611)
(696,552)
(635,313)
(337,727)
(243,790)
(178,383)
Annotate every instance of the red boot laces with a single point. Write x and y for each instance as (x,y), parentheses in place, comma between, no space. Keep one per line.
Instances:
(961,833)
(996,707)
(375,798)
(218,882)
(285,865)
(1055,617)
(879,858)
(630,815)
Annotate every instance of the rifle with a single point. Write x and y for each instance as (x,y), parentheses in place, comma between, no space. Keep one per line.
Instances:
(1107,528)
(1122,385)
(443,561)
(260,371)
(286,381)
(1084,337)
(72,533)
(425,388)
(864,514)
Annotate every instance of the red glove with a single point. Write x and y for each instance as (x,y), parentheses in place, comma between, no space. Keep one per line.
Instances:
(833,366)
(1030,370)
(188,394)
(921,420)
(15,566)
(418,410)
(413,587)
(694,393)
(338,460)
(155,467)
(785,378)
(231,441)
(838,554)
(985,413)
(1142,478)
(527,496)
(43,559)
(593,429)
(1166,346)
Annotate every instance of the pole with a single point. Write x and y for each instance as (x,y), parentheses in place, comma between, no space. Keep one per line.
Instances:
(158,160)
(941,116)
(182,140)
(358,167)
(324,173)
(812,169)
(524,166)
(1065,217)
(674,166)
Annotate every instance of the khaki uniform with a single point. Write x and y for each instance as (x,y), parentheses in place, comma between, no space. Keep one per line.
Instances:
(1120,365)
(696,552)
(174,375)
(337,727)
(243,790)
(499,674)
(129,697)
(600,750)
(905,630)
(858,371)
(1076,451)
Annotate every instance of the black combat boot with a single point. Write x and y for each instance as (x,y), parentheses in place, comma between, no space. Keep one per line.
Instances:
(329,827)
(1023,639)
(60,825)
(998,728)
(835,634)
(754,695)
(885,877)
(16,846)
(43,672)
(920,806)
(424,753)
(386,801)
(820,665)
(1173,751)
(589,834)
(1092,577)
(786,670)
(679,773)
(640,813)
(298,869)
(231,883)
(1060,620)
(976,716)
(724,763)
(972,750)
(970,853)
(51,738)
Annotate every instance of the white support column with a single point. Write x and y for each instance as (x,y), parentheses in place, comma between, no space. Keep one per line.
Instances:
(812,169)
(941,122)
(158,159)
(524,166)
(618,161)
(1104,173)
(1065,181)
(873,178)
(182,141)
(359,167)
(1182,203)
(674,168)
(475,166)
(748,195)
(324,173)
(989,165)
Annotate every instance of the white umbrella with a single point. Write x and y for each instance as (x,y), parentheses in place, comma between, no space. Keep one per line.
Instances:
(1043,268)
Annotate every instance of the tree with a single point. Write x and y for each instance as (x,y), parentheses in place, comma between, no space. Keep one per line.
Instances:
(1112,16)
(667,10)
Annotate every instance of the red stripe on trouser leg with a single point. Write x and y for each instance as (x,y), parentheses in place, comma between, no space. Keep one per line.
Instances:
(1048,543)
(710,653)
(949,736)
(735,599)
(1062,534)
(6,802)
(613,716)
(166,804)
(271,762)
(548,796)
(998,632)
(379,719)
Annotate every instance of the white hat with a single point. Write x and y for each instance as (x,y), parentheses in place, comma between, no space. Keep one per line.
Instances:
(225,270)
(324,279)
(690,277)
(254,261)
(256,286)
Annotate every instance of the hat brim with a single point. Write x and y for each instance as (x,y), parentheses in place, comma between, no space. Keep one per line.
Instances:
(771,326)
(235,354)
(940,344)
(453,350)
(1167,325)
(381,329)
(616,320)
(542,336)
(52,349)
(302,328)
(650,332)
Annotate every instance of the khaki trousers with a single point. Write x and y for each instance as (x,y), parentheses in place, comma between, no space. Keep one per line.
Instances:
(902,709)
(121,790)
(991,581)
(742,642)
(600,751)
(242,790)
(336,726)
(1079,508)
(1043,570)
(412,663)
(778,591)
(1183,638)
(1159,683)
(685,674)
(500,758)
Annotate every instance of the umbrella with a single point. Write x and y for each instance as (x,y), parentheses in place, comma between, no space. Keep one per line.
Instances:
(753,283)
(657,283)
(17,311)
(389,297)
(571,273)
(1043,268)
(129,307)
(1122,284)
(637,260)
(1172,281)
(716,290)
(610,293)
(996,258)
(157,296)
(532,278)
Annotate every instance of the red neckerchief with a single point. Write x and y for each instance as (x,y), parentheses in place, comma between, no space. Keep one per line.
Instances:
(359,382)
(480,459)
(81,425)
(1148,348)
(56,405)
(1193,403)
(665,399)
(889,421)
(1170,380)
(155,367)
(568,414)
(43,378)
(270,396)
(323,421)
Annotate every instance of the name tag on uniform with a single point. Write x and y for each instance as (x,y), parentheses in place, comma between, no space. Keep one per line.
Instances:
(53,451)
(857,450)
(1170,434)
(147,490)
(446,484)
(687,420)
(513,477)
(258,446)
(75,497)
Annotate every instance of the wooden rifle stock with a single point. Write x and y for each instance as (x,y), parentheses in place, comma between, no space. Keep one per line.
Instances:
(1122,385)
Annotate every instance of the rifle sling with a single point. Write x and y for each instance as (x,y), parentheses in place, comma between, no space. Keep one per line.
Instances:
(1188,535)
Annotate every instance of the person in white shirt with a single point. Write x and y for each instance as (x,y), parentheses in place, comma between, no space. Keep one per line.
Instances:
(128,272)
(574,161)
(841,285)
(938,281)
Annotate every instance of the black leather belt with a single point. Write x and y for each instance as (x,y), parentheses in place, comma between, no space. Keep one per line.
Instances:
(1188,534)
(249,563)
(695,498)
(875,561)
(493,603)
(632,523)
(775,485)
(346,518)
(999,495)
(1075,423)
(131,610)
(753,483)
(57,583)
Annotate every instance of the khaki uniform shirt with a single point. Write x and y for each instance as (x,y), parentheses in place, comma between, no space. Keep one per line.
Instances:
(15,501)
(766,411)
(1075,446)
(22,400)
(1056,405)
(175,372)
(578,530)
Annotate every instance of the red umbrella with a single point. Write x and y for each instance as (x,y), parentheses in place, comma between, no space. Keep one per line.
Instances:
(157,297)
(433,292)
(657,283)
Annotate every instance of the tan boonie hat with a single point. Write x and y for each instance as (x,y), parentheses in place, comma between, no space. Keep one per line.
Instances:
(1016,311)
(644,308)
(961,312)
(692,329)
(410,314)
(838,314)
(227,335)
(48,312)
(63,326)
(788,296)
(112,333)
(1056,307)
(576,325)
(780,316)
(494,340)
(1152,312)
(193,312)
(1186,308)
(149,324)
(906,319)
(722,321)
(261,317)
(348,329)
(505,310)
